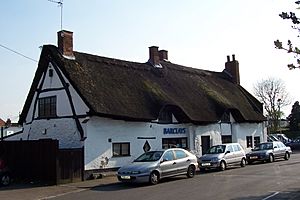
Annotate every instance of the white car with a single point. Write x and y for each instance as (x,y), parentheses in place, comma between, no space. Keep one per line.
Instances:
(155,165)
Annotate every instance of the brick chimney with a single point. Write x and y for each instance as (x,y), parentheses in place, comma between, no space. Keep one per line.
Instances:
(65,43)
(154,56)
(232,68)
(163,55)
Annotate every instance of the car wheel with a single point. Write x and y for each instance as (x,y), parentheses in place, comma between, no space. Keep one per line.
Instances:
(154,177)
(243,162)
(5,180)
(286,156)
(222,166)
(271,158)
(191,171)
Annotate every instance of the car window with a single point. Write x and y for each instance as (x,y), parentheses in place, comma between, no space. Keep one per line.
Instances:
(180,154)
(216,149)
(149,156)
(168,156)
(236,147)
(229,148)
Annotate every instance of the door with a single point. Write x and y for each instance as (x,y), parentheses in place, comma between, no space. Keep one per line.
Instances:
(229,155)
(182,161)
(205,144)
(168,165)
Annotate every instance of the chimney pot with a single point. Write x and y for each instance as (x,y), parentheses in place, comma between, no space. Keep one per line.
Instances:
(228,58)
(233,57)
(65,43)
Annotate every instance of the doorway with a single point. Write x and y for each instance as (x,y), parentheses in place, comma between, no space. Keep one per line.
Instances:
(205,143)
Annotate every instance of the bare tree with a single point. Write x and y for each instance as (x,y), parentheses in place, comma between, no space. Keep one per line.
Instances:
(272,93)
(289,47)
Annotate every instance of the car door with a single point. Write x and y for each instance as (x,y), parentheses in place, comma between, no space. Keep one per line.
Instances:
(238,153)
(229,154)
(182,161)
(168,164)
(276,150)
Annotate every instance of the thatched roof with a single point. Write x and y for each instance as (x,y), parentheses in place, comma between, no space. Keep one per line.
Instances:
(138,91)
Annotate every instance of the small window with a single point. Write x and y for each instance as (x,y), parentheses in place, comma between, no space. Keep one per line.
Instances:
(121,149)
(47,107)
(256,140)
(180,154)
(249,141)
(165,117)
(226,139)
(225,117)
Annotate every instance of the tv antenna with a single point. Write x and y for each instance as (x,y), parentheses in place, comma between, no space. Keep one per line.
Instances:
(60,4)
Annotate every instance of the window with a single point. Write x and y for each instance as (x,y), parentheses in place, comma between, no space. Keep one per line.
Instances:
(256,140)
(165,117)
(121,149)
(225,117)
(47,107)
(174,142)
(249,141)
(226,139)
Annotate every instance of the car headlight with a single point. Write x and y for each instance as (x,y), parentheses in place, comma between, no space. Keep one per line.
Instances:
(215,159)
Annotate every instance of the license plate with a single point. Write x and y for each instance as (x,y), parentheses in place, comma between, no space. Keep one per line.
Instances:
(253,157)
(205,164)
(125,177)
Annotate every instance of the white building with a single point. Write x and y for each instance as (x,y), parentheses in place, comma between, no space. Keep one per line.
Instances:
(116,109)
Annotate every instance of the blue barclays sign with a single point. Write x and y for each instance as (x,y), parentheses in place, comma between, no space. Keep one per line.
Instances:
(175,130)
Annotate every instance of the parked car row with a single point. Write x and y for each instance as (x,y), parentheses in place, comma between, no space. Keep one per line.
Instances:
(153,166)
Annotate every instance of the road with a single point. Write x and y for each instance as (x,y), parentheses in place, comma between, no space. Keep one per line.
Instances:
(268,181)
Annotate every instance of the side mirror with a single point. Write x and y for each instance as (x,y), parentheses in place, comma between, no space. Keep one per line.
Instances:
(275,147)
(227,152)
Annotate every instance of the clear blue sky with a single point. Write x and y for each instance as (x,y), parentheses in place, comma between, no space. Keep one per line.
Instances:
(196,33)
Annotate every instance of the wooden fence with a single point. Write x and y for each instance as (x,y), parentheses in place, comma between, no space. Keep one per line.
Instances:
(42,160)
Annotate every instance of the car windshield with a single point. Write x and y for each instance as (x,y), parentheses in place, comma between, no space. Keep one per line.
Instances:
(263,146)
(149,156)
(216,149)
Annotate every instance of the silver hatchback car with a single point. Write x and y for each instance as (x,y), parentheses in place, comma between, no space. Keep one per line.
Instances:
(221,156)
(155,165)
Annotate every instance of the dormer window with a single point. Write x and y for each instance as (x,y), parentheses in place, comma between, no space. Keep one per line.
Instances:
(225,117)
(165,117)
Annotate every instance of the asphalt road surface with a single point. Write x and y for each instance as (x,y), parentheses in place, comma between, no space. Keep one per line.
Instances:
(267,181)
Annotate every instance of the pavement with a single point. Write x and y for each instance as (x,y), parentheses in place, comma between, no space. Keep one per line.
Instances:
(38,191)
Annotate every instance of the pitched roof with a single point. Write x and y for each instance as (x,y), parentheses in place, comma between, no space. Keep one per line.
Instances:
(138,91)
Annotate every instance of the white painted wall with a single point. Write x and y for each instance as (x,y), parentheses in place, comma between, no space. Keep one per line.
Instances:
(241,130)
(63,128)
(212,130)
(100,130)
